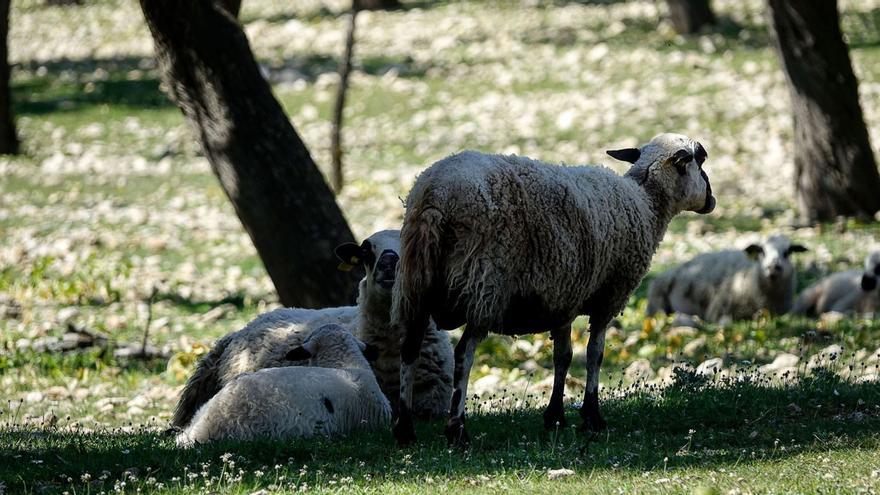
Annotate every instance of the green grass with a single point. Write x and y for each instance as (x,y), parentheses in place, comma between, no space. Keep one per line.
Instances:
(124,229)
(714,435)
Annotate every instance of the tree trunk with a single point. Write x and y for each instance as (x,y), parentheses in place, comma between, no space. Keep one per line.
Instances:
(835,172)
(263,166)
(339,107)
(376,4)
(689,16)
(8,138)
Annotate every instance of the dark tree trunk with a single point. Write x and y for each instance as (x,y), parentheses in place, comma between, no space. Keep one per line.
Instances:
(835,172)
(8,138)
(263,166)
(376,4)
(689,16)
(339,107)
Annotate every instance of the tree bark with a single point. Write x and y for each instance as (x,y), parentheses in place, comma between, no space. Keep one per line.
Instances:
(690,16)
(835,171)
(8,137)
(339,107)
(265,169)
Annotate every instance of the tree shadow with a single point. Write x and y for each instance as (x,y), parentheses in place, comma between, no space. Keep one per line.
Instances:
(71,85)
(694,423)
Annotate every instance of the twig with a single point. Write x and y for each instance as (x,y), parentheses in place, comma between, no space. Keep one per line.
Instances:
(150,300)
(344,71)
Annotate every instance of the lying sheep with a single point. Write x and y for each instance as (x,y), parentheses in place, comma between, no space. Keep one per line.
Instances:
(733,284)
(336,395)
(265,341)
(852,291)
(517,246)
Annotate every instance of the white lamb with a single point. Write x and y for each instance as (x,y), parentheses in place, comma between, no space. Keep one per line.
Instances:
(336,394)
(846,292)
(731,284)
(516,246)
(265,341)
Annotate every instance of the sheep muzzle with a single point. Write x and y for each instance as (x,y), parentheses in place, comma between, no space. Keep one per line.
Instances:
(709,205)
(386,269)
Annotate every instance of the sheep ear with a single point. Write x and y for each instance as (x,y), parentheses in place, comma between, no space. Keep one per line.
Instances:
(797,248)
(298,353)
(869,283)
(371,352)
(630,155)
(754,251)
(350,254)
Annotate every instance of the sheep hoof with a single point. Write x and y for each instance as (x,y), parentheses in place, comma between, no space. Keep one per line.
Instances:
(456,435)
(593,424)
(554,418)
(403,431)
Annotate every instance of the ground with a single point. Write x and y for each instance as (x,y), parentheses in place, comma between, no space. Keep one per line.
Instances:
(111,201)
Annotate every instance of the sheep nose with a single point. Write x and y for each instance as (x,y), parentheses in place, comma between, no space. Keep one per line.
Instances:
(387,261)
(386,267)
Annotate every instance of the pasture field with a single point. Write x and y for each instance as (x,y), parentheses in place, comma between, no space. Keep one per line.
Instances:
(111,222)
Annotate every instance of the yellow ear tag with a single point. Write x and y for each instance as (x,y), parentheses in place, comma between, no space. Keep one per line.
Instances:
(346,267)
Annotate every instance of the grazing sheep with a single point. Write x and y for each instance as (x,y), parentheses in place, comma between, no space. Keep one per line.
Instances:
(336,395)
(265,341)
(733,284)
(851,291)
(517,246)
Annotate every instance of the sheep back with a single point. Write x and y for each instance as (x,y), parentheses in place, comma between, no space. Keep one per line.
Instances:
(290,402)
(522,243)
(263,343)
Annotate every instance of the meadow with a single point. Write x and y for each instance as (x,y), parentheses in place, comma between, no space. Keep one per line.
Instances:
(112,223)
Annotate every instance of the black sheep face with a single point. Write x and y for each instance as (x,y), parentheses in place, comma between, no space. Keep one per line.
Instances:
(379,255)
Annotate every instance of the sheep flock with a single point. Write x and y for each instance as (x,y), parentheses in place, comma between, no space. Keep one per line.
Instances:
(504,244)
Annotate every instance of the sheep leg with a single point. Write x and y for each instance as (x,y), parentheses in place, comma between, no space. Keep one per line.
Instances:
(595,350)
(554,415)
(464,359)
(410,349)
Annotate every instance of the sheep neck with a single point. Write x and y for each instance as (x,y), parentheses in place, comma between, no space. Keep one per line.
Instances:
(662,206)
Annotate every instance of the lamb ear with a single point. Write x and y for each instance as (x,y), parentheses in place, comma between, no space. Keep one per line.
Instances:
(797,248)
(298,353)
(350,254)
(630,155)
(869,283)
(754,251)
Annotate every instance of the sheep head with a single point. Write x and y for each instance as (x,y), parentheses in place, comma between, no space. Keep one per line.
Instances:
(331,346)
(774,257)
(378,254)
(872,272)
(674,164)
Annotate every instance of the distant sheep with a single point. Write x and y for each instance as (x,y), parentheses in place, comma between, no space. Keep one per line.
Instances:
(851,291)
(337,394)
(265,341)
(517,246)
(733,284)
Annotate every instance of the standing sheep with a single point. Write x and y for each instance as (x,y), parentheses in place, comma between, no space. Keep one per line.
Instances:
(517,246)
(851,291)
(338,394)
(732,284)
(265,341)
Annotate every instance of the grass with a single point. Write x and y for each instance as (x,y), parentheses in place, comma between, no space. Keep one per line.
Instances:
(726,435)
(112,198)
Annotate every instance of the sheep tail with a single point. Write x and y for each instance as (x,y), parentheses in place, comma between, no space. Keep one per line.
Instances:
(419,265)
(203,384)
